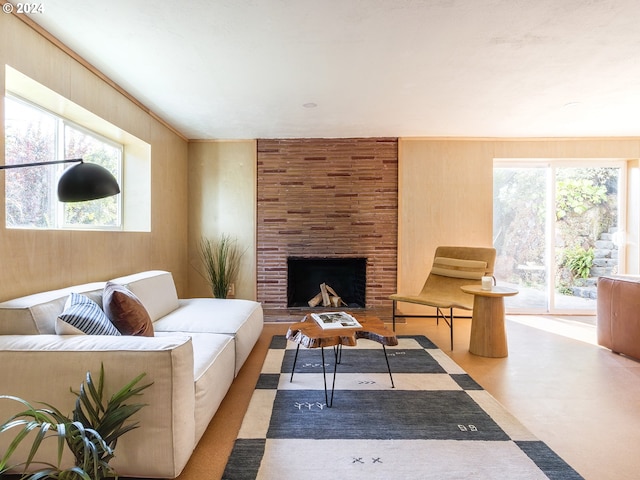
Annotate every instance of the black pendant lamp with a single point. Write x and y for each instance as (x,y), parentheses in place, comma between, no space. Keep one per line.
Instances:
(81,182)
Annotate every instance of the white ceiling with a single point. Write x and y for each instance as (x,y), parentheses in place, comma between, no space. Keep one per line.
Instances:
(225,69)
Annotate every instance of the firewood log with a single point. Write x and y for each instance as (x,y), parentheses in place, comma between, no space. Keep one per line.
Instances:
(331,291)
(325,295)
(315,300)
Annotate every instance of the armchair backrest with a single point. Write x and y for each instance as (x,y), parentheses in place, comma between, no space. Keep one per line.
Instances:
(455,266)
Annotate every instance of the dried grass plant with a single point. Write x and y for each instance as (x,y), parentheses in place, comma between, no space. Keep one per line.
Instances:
(221,261)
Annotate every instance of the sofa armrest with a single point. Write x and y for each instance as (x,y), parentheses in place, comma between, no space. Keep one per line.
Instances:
(42,368)
(618,317)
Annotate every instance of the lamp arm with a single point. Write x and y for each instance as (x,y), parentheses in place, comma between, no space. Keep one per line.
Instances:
(36,164)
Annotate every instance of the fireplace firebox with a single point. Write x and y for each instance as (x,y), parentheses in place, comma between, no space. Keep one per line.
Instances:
(346,276)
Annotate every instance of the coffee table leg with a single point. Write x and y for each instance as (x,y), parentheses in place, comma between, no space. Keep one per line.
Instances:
(324,376)
(295,359)
(388,367)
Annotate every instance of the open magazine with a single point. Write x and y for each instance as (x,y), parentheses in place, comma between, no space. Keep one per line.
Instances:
(335,320)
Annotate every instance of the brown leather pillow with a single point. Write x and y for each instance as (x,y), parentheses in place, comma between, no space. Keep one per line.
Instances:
(126,311)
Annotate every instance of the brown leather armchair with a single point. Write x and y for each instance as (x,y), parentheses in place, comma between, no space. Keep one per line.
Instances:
(618,314)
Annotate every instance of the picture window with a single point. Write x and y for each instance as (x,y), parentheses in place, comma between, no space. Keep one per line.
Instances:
(34,134)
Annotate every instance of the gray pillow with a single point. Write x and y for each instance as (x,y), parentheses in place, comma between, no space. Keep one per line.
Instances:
(82,315)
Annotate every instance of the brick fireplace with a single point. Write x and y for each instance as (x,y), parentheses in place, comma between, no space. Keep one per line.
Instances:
(327,199)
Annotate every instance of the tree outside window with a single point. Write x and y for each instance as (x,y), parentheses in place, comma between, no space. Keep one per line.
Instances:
(33,134)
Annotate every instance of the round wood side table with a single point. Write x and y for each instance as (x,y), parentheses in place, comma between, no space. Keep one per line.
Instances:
(488,334)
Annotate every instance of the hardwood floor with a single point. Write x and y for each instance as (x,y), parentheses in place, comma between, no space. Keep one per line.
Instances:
(581,399)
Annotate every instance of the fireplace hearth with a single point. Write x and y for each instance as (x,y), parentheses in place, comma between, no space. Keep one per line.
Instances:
(347,276)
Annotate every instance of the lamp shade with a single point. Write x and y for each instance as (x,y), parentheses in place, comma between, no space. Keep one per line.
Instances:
(86,181)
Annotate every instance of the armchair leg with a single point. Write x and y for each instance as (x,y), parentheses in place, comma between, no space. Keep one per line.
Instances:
(451,326)
(448,320)
(393,315)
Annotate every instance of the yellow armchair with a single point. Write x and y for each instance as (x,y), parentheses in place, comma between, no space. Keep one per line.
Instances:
(452,268)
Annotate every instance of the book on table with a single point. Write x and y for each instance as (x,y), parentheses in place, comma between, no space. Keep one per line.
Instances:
(335,320)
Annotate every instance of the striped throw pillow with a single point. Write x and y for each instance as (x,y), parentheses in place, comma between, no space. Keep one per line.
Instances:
(456,268)
(82,315)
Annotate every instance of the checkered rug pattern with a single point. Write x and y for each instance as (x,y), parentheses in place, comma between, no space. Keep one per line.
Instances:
(436,423)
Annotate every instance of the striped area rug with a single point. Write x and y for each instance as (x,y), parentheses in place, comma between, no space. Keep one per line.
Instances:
(437,423)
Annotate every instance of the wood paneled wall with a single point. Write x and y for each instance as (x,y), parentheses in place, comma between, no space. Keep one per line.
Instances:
(33,261)
(446,193)
(222,200)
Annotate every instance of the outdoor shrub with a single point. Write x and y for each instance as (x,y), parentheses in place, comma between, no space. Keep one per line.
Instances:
(579,261)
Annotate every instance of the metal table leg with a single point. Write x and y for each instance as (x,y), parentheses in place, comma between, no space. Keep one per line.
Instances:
(295,359)
(324,376)
(388,367)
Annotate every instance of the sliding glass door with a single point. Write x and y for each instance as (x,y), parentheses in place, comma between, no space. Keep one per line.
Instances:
(556,229)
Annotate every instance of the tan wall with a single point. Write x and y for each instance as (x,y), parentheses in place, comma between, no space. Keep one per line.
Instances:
(32,261)
(222,200)
(446,194)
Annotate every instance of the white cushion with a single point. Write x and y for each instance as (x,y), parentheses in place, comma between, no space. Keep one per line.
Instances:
(214,362)
(241,318)
(210,315)
(82,315)
(155,289)
(36,314)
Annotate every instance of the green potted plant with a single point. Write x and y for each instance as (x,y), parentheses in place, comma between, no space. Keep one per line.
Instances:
(91,433)
(221,260)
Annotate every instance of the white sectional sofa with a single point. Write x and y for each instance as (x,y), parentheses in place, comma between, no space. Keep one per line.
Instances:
(198,347)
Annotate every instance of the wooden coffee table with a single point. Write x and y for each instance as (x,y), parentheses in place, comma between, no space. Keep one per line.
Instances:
(310,335)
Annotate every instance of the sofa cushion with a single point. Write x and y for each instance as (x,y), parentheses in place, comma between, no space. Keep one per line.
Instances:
(126,311)
(243,319)
(214,361)
(82,315)
(155,289)
(37,313)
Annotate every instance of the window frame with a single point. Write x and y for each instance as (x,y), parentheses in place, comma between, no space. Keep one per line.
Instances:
(551,166)
(61,123)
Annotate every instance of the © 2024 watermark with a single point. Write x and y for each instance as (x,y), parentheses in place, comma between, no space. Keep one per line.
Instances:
(23,8)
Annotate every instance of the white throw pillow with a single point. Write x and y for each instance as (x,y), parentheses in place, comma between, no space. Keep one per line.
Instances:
(82,315)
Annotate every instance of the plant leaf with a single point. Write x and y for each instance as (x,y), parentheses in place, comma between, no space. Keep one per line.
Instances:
(91,435)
